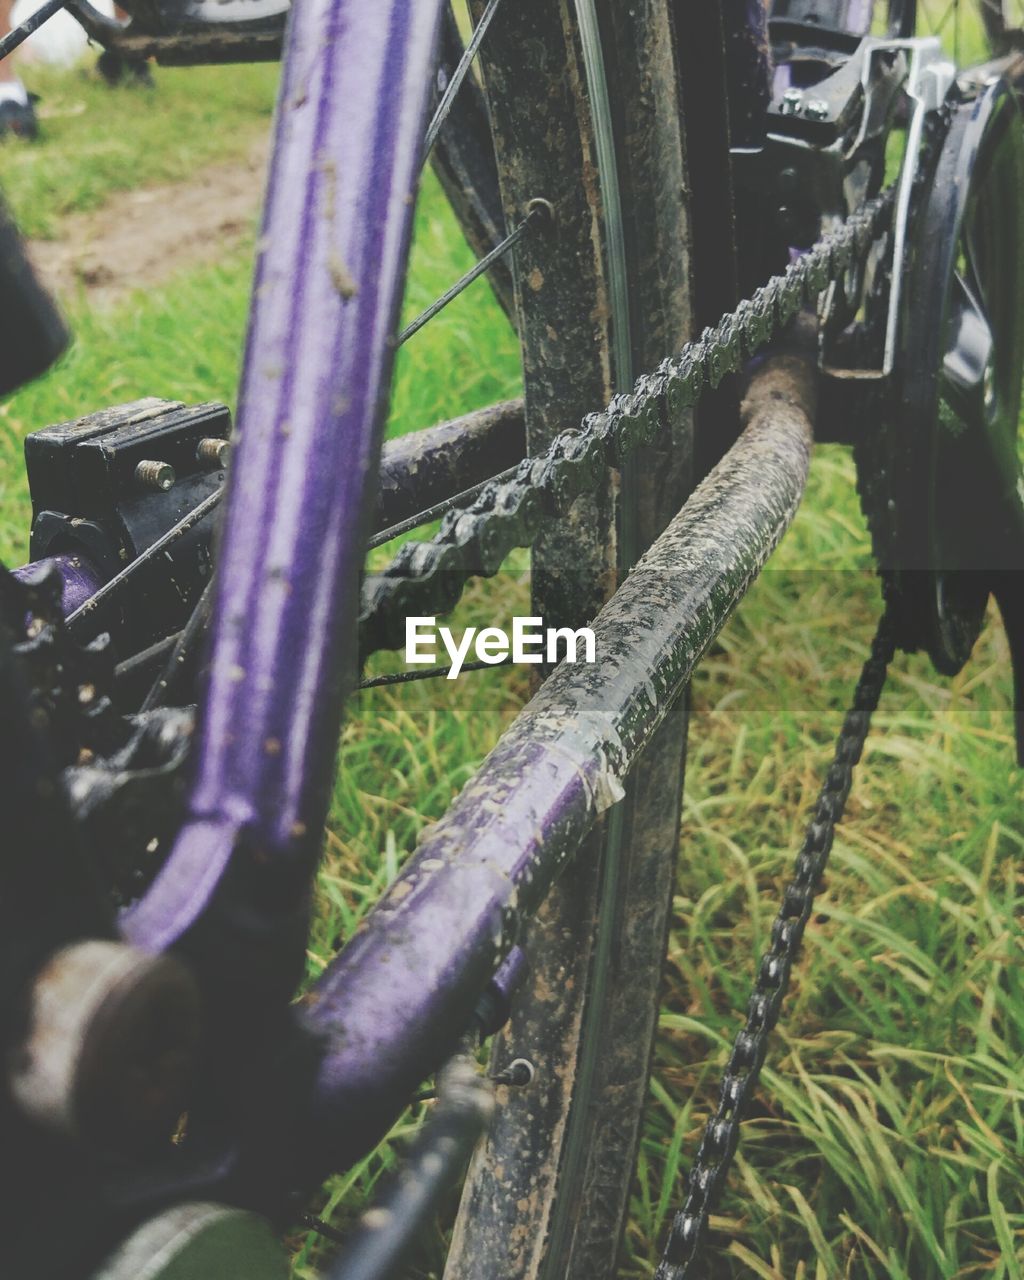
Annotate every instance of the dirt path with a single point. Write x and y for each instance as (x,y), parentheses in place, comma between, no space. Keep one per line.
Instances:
(141,238)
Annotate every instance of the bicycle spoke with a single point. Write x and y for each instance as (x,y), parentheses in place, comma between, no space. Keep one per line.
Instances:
(322,1228)
(943,21)
(184,646)
(437,510)
(459,74)
(432,673)
(91,607)
(464,163)
(535,215)
(140,661)
(936,28)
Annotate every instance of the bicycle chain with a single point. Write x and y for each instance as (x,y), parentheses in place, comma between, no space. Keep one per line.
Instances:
(427,578)
(718,1145)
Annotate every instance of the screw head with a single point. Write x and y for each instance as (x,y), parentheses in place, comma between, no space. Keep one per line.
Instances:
(786,218)
(789,181)
(791,100)
(816,109)
(155,475)
(989,388)
(213,452)
(521,1072)
(541,210)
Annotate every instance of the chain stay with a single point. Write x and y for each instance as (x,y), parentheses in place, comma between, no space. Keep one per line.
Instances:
(427,578)
(714,1156)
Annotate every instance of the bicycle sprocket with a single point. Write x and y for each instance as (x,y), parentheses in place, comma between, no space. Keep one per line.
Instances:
(941,482)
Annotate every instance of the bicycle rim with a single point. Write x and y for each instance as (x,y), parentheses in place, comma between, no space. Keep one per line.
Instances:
(548,1192)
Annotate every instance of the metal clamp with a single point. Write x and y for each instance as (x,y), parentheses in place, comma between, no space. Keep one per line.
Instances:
(929,77)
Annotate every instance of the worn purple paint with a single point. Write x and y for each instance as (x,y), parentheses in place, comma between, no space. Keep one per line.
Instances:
(510,975)
(334,244)
(79,576)
(317,363)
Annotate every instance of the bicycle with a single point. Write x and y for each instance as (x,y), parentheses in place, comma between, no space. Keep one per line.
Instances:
(324,1080)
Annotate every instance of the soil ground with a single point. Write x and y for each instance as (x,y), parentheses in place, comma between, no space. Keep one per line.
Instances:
(140,238)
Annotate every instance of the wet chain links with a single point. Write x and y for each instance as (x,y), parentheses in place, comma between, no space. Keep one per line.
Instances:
(682,1256)
(427,578)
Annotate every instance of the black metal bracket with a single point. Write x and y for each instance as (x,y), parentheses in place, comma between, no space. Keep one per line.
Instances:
(107,485)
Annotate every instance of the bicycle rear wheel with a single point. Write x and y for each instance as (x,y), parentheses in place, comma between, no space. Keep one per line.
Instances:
(603,299)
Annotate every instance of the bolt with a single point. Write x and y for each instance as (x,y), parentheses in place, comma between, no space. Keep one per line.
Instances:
(788,221)
(791,100)
(989,388)
(789,182)
(213,452)
(816,109)
(112,1040)
(155,475)
(541,210)
(519,1073)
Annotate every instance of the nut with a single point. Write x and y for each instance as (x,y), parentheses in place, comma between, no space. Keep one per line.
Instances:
(213,451)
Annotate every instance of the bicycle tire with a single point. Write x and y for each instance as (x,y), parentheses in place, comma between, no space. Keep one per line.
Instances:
(548,1191)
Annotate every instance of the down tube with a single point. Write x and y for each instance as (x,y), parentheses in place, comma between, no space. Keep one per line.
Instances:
(333,250)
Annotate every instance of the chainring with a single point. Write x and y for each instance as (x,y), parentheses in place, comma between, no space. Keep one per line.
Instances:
(941,481)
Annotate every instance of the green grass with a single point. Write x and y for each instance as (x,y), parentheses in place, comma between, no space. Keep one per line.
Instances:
(181,342)
(96,140)
(894,1085)
(887,1141)
(957,25)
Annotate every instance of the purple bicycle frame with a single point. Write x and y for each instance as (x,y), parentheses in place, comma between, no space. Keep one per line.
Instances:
(333,248)
(233,894)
